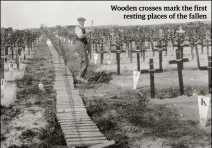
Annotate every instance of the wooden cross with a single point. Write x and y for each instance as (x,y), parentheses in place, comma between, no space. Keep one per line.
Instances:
(118,51)
(180,45)
(130,50)
(5,52)
(95,44)
(201,43)
(12,49)
(17,59)
(160,49)
(152,81)
(127,43)
(198,60)
(172,38)
(24,51)
(102,42)
(179,62)
(143,48)
(137,51)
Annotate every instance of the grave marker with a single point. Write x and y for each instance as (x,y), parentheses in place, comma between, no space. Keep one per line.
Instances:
(130,51)
(203,103)
(12,52)
(17,59)
(118,51)
(138,60)
(179,62)
(136,75)
(6,50)
(95,57)
(198,60)
(102,51)
(160,48)
(152,81)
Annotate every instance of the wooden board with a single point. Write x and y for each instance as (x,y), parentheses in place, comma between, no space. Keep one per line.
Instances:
(78,129)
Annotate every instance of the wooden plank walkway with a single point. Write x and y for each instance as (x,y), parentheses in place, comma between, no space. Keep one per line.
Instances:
(78,129)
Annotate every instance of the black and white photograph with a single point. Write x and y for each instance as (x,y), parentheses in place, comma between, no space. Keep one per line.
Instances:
(106,74)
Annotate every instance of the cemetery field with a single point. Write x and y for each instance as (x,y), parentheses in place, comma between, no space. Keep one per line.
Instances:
(131,117)
(97,81)
(29,120)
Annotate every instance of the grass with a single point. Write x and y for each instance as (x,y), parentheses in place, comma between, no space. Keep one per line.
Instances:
(39,69)
(159,121)
(7,113)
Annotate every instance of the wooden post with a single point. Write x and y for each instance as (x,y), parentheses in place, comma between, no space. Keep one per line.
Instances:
(127,48)
(166,46)
(5,60)
(130,51)
(102,53)
(12,49)
(160,59)
(6,50)
(28,48)
(152,45)
(178,61)
(143,53)
(192,51)
(96,46)
(181,55)
(160,49)
(24,52)
(6,53)
(202,46)
(209,74)
(118,51)
(118,62)
(197,55)
(17,59)
(2,68)
(138,59)
(152,81)
(89,48)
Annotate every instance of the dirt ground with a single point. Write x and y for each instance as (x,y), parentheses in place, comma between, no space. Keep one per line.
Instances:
(167,90)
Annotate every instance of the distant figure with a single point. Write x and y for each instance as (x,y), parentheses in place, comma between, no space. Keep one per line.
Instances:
(81,47)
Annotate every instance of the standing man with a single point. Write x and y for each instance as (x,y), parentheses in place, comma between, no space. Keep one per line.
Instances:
(81,47)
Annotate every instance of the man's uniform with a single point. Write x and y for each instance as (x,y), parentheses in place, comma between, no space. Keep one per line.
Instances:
(81,47)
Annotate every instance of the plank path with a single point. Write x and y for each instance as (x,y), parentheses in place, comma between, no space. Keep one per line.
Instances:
(78,129)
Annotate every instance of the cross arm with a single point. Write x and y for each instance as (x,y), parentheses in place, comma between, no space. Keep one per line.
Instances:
(178,61)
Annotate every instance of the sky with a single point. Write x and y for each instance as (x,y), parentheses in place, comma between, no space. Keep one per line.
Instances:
(31,14)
